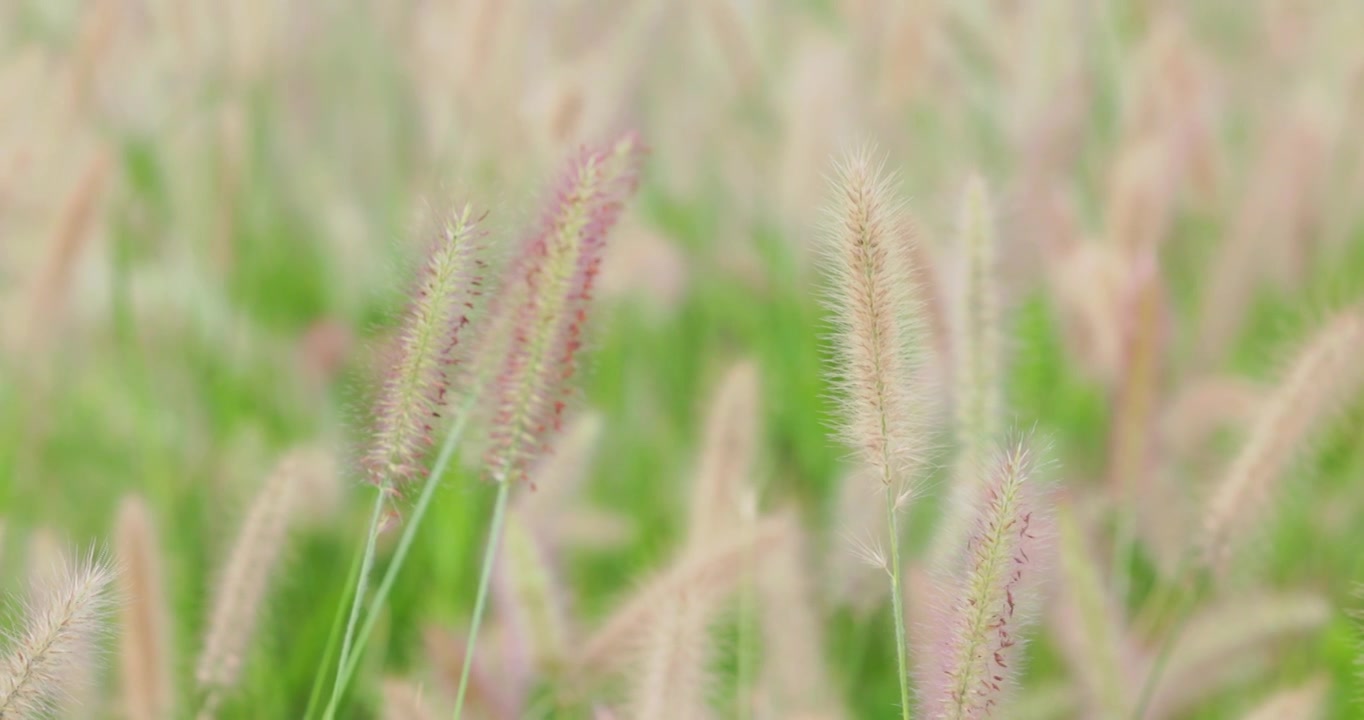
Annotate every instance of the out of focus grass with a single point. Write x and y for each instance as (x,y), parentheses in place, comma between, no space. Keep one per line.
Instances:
(193,412)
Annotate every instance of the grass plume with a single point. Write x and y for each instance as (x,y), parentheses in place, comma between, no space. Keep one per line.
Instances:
(878,345)
(413,394)
(144,618)
(977,357)
(553,281)
(1325,372)
(244,581)
(59,639)
(983,618)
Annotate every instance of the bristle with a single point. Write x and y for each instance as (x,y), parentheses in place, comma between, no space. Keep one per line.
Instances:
(244,581)
(977,356)
(877,335)
(794,670)
(716,571)
(728,451)
(430,341)
(984,617)
(1305,702)
(59,641)
(558,272)
(1325,373)
(144,650)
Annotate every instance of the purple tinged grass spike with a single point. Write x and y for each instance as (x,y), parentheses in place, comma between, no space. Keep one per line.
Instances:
(414,392)
(984,617)
(553,283)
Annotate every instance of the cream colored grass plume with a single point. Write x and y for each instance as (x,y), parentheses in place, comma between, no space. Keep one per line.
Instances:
(245,578)
(878,345)
(977,356)
(58,644)
(1325,373)
(877,333)
(145,683)
(728,454)
(671,678)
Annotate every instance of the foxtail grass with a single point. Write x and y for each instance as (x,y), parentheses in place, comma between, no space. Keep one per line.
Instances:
(982,619)
(878,346)
(1326,372)
(413,395)
(556,274)
(59,641)
(977,355)
(244,582)
(144,619)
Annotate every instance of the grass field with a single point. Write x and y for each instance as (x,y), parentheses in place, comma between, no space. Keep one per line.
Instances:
(210,219)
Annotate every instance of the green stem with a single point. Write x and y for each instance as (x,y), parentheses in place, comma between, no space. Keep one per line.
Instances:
(897,602)
(489,557)
(316,696)
(1183,609)
(358,602)
(447,451)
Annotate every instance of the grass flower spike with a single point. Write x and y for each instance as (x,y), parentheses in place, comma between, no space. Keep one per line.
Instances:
(984,616)
(877,342)
(144,619)
(877,334)
(414,392)
(553,282)
(58,641)
(245,580)
(556,275)
(976,347)
(1324,372)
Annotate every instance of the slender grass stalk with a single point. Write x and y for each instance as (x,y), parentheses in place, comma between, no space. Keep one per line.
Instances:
(484,581)
(897,602)
(1167,646)
(362,582)
(319,681)
(447,451)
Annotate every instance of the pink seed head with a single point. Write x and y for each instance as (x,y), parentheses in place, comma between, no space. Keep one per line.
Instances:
(553,284)
(443,300)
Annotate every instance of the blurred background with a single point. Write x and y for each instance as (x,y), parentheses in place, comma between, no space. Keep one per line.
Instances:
(207,212)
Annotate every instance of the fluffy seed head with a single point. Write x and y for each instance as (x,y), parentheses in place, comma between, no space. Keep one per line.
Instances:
(670,681)
(976,363)
(729,448)
(877,338)
(144,643)
(58,642)
(1324,373)
(245,578)
(414,390)
(983,619)
(553,281)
